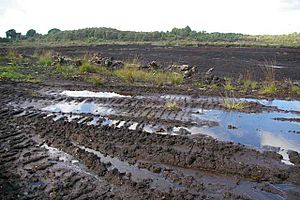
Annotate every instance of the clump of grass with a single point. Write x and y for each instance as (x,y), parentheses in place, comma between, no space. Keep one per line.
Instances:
(230,104)
(67,71)
(13,73)
(12,56)
(171,106)
(268,88)
(132,74)
(87,68)
(45,58)
(95,80)
(228,86)
(295,90)
(249,84)
(33,94)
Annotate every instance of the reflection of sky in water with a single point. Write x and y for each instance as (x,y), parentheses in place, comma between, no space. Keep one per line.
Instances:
(86,93)
(83,107)
(281,104)
(252,128)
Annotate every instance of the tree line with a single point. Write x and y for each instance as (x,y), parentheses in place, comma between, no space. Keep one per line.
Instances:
(176,34)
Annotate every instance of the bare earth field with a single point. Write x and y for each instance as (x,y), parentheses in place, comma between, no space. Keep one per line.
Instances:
(65,139)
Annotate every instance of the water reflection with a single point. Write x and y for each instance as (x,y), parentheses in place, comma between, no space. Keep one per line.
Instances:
(86,93)
(253,129)
(83,107)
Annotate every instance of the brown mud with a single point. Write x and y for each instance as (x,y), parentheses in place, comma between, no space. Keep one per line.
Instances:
(44,155)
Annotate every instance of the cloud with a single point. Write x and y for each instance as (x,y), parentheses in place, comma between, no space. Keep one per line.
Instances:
(291,4)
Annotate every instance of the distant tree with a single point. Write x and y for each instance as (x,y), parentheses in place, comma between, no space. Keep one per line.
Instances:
(11,34)
(31,33)
(53,30)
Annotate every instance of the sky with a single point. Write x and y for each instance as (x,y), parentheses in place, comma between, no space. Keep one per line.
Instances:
(238,16)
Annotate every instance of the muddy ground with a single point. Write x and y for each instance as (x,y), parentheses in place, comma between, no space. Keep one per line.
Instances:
(228,62)
(58,154)
(124,143)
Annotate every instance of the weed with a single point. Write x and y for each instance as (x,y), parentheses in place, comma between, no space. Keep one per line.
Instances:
(268,88)
(228,86)
(45,58)
(67,71)
(231,104)
(131,74)
(214,86)
(269,71)
(248,85)
(12,57)
(13,73)
(33,94)
(295,89)
(95,80)
(87,68)
(171,106)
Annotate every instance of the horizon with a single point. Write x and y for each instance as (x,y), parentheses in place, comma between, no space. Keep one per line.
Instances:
(269,17)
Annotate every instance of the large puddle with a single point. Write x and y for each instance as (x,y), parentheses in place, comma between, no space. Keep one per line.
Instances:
(254,129)
(259,130)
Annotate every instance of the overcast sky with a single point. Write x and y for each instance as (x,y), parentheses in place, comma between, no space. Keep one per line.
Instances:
(240,16)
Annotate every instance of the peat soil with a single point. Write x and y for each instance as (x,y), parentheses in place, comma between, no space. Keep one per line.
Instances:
(56,146)
(227,61)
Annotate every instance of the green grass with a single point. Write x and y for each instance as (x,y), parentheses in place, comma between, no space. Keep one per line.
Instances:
(45,58)
(13,58)
(171,106)
(13,73)
(132,74)
(295,90)
(234,105)
(95,80)
(228,86)
(268,88)
(249,84)
(68,70)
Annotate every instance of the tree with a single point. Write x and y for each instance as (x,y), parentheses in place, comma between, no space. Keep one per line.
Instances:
(11,34)
(53,30)
(31,33)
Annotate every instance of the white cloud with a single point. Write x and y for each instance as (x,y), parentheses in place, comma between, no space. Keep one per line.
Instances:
(253,17)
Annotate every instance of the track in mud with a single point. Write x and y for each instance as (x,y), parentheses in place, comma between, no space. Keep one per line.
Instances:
(106,151)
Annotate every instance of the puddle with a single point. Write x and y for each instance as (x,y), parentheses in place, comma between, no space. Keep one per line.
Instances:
(137,174)
(83,107)
(252,129)
(68,160)
(86,93)
(280,104)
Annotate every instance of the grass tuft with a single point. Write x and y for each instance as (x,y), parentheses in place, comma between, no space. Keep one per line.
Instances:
(295,90)
(268,88)
(233,104)
(171,106)
(45,58)
(95,80)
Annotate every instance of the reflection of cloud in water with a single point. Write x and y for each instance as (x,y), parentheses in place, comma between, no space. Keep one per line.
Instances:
(83,107)
(198,130)
(269,139)
(86,93)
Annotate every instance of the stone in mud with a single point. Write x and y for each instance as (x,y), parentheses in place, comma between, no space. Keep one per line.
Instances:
(231,126)
(153,65)
(294,157)
(183,131)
